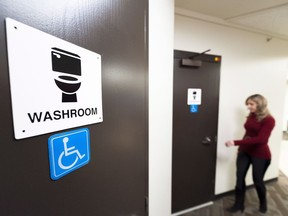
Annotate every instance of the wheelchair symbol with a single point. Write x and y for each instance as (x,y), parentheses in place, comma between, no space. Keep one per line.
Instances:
(68,151)
(194,108)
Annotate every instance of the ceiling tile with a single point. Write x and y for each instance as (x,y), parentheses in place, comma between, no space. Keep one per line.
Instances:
(269,17)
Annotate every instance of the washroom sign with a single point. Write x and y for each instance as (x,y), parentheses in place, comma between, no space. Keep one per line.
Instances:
(55,85)
(194,98)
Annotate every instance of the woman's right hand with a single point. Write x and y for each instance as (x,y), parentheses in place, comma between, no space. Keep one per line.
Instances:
(229,143)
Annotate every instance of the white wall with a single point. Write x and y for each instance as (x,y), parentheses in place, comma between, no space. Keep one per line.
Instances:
(250,65)
(283,162)
(285,119)
(161,32)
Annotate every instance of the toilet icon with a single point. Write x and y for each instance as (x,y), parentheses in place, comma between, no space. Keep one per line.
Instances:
(68,68)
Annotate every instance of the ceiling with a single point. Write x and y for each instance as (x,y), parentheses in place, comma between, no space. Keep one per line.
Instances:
(268,17)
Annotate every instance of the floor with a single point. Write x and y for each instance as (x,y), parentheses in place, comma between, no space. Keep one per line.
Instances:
(277,195)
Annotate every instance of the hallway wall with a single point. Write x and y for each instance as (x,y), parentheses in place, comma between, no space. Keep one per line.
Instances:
(161,31)
(250,64)
(283,162)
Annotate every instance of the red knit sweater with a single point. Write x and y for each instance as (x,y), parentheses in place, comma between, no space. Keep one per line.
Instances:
(255,141)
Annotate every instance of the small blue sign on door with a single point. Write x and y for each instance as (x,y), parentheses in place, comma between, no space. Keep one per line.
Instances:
(68,151)
(194,108)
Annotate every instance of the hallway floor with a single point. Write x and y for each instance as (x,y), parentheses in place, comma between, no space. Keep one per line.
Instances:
(277,194)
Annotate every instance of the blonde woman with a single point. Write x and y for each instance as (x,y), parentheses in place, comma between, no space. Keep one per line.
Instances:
(253,150)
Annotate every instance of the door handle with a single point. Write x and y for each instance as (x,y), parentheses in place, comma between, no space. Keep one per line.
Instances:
(206,141)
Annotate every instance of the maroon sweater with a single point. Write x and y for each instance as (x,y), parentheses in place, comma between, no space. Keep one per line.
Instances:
(255,141)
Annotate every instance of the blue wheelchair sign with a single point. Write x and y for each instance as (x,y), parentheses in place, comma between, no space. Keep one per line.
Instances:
(193,108)
(68,151)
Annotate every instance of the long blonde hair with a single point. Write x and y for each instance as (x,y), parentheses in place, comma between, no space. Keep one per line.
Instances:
(262,110)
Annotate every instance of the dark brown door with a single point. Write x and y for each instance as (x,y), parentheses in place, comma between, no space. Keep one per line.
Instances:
(114,183)
(194,131)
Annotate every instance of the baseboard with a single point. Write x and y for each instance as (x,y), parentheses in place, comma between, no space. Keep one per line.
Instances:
(192,209)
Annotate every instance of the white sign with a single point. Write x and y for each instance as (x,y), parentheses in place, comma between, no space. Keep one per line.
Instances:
(194,96)
(55,84)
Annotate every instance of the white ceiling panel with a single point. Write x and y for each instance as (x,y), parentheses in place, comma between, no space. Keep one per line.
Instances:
(269,17)
(272,21)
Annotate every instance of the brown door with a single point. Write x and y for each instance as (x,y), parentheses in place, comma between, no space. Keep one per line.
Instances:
(194,129)
(114,182)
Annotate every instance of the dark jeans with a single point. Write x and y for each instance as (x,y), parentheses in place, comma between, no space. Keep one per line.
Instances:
(259,167)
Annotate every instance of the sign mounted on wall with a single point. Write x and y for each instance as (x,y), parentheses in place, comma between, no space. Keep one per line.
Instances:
(55,84)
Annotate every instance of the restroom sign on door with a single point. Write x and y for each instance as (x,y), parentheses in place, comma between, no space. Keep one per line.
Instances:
(55,85)
(194,96)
